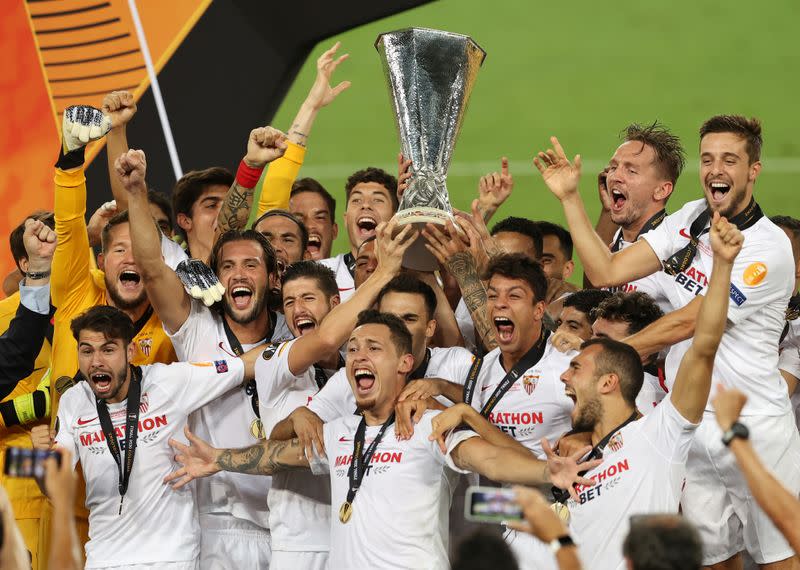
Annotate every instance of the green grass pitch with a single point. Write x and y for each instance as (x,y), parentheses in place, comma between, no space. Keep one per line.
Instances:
(580,70)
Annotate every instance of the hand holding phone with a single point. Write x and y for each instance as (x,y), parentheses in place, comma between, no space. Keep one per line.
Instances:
(492,505)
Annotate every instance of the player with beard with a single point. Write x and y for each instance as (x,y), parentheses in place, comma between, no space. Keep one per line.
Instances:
(388,508)
(76,286)
(634,189)
(371,199)
(291,373)
(117,424)
(715,499)
(312,204)
(287,235)
(233,509)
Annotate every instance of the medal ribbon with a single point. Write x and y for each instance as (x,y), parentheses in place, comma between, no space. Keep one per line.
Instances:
(359,463)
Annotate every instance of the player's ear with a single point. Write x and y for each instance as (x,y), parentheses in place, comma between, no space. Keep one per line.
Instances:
(406,364)
(335,300)
(608,383)
(335,230)
(663,191)
(101,261)
(184,221)
(569,267)
(755,168)
(430,329)
(131,350)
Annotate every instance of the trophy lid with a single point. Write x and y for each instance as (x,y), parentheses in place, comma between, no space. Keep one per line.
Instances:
(433,33)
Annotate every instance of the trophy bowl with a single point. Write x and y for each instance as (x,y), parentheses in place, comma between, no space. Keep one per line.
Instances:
(430,74)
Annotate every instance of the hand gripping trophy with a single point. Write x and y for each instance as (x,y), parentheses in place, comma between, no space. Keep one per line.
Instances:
(430,75)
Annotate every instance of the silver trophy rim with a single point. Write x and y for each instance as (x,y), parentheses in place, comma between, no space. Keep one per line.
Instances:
(412,28)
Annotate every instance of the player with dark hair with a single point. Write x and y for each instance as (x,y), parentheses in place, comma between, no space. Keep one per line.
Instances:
(714,499)
(316,208)
(287,235)
(666,542)
(411,487)
(576,314)
(556,255)
(117,424)
(518,235)
(371,199)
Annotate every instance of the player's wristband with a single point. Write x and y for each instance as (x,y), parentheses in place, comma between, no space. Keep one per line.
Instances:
(558,543)
(71,159)
(247,176)
(736,430)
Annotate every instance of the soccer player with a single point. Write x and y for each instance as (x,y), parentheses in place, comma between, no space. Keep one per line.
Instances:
(643,458)
(437,371)
(556,251)
(313,205)
(245,264)
(576,314)
(117,424)
(371,199)
(75,285)
(634,189)
(291,373)
(762,283)
(286,234)
(388,494)
(667,542)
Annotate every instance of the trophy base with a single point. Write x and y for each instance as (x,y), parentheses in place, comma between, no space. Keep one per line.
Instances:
(417,257)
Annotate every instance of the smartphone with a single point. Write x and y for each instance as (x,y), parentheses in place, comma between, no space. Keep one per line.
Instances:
(491,505)
(26,462)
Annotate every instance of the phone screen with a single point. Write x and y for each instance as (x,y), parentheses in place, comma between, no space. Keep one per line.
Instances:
(26,462)
(492,505)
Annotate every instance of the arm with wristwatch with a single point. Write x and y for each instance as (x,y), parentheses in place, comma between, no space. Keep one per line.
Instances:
(781,506)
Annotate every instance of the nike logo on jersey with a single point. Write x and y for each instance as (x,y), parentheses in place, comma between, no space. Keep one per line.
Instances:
(484,388)
(225,350)
(82,422)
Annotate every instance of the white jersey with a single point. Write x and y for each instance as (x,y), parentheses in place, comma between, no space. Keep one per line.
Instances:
(157,524)
(344,279)
(789,360)
(336,399)
(172,252)
(299,501)
(400,514)
(761,284)
(652,392)
(226,422)
(536,405)
(643,470)
(656,284)
(466,326)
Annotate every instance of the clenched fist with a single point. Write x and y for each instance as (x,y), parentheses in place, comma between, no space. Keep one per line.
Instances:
(40,245)
(726,239)
(83,124)
(120,106)
(264,145)
(131,168)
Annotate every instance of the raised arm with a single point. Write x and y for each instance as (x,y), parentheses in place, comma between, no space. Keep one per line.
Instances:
(283,172)
(601,266)
(693,380)
(339,323)
(264,145)
(164,289)
(199,459)
(605,226)
(447,332)
(670,329)
(120,106)
(781,506)
(494,189)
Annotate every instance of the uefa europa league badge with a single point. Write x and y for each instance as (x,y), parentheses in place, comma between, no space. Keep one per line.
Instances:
(430,74)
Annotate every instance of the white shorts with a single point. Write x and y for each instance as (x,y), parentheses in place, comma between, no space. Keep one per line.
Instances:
(228,543)
(716,498)
(291,560)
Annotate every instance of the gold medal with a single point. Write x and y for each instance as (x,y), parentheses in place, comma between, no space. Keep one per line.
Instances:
(562,511)
(345,511)
(257,429)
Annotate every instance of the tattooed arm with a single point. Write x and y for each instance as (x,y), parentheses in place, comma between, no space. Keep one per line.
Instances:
(463,267)
(264,145)
(199,459)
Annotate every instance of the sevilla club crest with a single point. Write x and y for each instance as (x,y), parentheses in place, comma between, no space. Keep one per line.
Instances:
(529,383)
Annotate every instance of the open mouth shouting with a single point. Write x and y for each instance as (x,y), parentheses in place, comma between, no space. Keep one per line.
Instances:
(241,296)
(304,325)
(314,245)
(718,190)
(571,395)
(505,329)
(365,380)
(129,280)
(366,226)
(618,200)
(101,382)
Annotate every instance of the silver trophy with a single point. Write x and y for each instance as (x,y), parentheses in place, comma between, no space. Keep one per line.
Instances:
(430,75)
